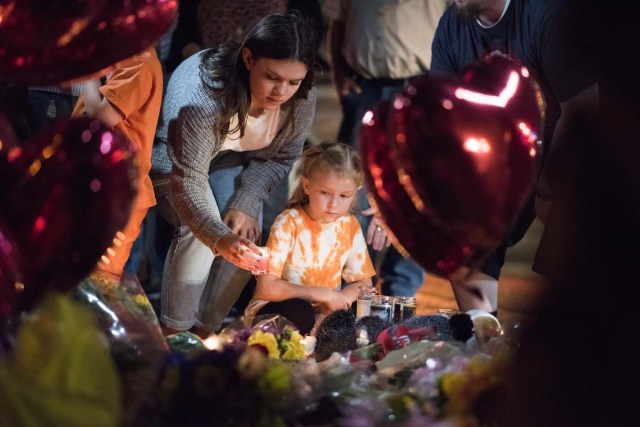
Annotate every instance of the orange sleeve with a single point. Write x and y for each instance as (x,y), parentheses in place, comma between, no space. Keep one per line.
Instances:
(130,85)
(358,265)
(279,243)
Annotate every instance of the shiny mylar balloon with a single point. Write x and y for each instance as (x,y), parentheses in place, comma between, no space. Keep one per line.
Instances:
(415,233)
(464,155)
(9,283)
(48,42)
(65,194)
(506,79)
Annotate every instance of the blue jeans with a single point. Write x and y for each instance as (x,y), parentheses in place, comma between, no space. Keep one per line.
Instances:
(152,243)
(400,276)
(198,288)
(44,107)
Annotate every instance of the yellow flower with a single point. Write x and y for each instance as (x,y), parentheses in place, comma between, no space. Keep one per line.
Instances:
(295,348)
(463,389)
(275,382)
(267,340)
(142,300)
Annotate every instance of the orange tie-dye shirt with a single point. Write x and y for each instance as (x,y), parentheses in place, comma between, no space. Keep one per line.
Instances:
(307,252)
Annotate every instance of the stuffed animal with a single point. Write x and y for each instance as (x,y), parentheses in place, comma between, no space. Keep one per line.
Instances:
(340,332)
(336,333)
(458,327)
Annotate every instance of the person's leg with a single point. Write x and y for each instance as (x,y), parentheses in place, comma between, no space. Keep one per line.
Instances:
(371,93)
(44,107)
(348,106)
(146,246)
(476,291)
(185,272)
(273,206)
(226,281)
(298,311)
(116,256)
(360,103)
(479,289)
(133,262)
(40,109)
(158,236)
(401,276)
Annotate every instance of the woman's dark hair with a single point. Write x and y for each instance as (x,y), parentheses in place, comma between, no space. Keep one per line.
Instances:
(286,36)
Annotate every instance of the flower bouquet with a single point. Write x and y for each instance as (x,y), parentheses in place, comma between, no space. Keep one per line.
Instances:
(276,336)
(234,386)
(136,343)
(60,372)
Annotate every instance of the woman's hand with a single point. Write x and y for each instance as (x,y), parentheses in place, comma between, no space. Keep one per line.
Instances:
(377,235)
(239,251)
(243,225)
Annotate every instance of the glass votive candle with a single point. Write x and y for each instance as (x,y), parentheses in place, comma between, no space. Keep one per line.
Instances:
(263,262)
(404,309)
(382,306)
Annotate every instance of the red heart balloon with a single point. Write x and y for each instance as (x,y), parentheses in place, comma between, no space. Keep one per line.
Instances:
(454,163)
(9,282)
(499,74)
(48,42)
(391,198)
(65,195)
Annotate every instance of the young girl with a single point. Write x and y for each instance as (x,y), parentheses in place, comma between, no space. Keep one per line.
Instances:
(234,119)
(316,243)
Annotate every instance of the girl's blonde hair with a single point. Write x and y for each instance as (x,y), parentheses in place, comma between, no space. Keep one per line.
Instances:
(326,157)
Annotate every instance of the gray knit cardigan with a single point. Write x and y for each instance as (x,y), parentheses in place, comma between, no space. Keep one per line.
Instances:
(189,136)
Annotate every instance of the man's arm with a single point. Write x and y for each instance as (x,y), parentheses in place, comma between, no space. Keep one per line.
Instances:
(341,72)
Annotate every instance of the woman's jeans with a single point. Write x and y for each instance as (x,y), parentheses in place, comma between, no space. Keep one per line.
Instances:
(198,288)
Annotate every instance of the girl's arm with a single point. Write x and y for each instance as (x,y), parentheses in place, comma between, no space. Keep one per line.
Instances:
(272,288)
(98,106)
(351,290)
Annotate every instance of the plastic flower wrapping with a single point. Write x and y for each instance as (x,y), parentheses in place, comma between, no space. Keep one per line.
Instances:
(91,354)
(98,354)
(274,335)
(129,324)
(60,372)
(266,376)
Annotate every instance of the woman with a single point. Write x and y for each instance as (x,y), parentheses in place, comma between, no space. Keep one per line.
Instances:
(233,122)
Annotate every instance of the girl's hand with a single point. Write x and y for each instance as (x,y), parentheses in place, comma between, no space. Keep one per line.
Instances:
(243,225)
(239,251)
(335,300)
(351,291)
(377,235)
